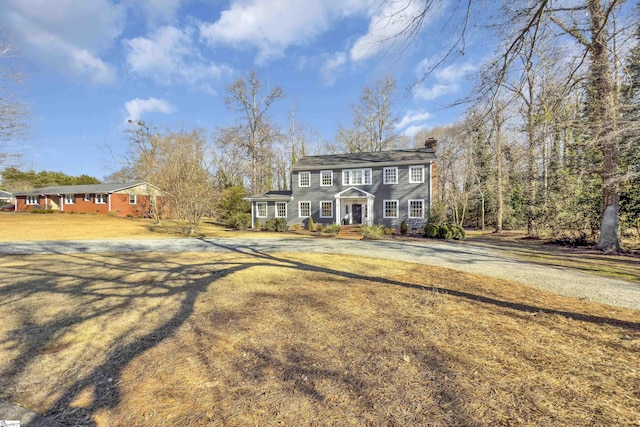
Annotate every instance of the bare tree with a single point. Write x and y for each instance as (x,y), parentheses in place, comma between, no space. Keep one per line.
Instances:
(589,23)
(373,119)
(253,133)
(12,110)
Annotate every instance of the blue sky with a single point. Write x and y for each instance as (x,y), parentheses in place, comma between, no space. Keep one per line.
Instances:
(91,65)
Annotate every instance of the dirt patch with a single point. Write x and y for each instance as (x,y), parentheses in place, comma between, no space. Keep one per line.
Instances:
(217,339)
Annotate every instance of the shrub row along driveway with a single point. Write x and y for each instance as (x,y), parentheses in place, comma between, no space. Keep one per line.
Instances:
(493,262)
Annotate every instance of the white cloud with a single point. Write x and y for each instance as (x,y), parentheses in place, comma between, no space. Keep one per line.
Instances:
(159,11)
(412,116)
(413,130)
(455,72)
(331,67)
(436,91)
(386,26)
(67,35)
(137,107)
(272,26)
(169,55)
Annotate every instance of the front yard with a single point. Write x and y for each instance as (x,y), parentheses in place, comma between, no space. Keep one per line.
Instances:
(293,339)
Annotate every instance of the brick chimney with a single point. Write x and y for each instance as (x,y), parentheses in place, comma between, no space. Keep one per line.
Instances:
(431,143)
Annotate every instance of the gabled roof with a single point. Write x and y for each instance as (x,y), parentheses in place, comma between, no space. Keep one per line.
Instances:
(352,193)
(5,194)
(83,189)
(271,195)
(368,159)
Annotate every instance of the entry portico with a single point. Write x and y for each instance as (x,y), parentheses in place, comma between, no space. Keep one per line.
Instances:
(354,206)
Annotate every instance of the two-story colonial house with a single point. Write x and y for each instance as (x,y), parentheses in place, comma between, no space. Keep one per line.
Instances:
(382,187)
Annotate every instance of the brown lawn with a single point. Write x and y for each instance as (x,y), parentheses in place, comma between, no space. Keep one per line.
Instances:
(61,226)
(293,339)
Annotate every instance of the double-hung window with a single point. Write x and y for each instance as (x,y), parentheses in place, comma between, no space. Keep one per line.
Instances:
(326,209)
(69,199)
(390,175)
(304,179)
(133,199)
(416,174)
(32,200)
(390,209)
(100,199)
(261,209)
(416,208)
(326,178)
(356,177)
(87,198)
(281,209)
(304,209)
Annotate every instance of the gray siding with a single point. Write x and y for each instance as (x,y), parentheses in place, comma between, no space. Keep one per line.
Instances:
(403,191)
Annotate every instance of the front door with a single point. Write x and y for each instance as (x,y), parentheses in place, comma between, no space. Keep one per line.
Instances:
(357,214)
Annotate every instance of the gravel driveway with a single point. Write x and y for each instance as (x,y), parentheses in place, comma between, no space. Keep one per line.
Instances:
(463,257)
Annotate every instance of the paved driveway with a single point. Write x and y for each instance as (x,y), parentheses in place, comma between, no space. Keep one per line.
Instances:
(463,257)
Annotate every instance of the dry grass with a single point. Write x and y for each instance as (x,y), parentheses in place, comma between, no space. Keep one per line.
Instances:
(624,266)
(60,226)
(290,339)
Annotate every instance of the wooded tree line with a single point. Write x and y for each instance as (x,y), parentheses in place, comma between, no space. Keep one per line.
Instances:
(550,142)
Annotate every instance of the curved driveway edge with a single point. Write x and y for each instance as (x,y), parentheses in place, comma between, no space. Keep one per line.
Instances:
(471,259)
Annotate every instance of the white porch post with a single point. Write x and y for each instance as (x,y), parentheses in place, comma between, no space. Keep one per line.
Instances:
(370,211)
(61,202)
(430,185)
(338,219)
(109,201)
(253,224)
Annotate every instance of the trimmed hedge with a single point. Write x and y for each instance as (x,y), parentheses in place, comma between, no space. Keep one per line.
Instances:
(444,231)
(276,224)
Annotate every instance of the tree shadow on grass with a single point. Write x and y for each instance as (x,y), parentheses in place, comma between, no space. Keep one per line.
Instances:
(104,379)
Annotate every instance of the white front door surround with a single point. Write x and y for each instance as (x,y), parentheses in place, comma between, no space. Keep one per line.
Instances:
(344,205)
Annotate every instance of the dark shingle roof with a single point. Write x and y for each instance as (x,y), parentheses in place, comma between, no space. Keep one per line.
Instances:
(369,159)
(271,195)
(81,189)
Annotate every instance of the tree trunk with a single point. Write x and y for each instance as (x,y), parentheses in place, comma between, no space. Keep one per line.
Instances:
(604,98)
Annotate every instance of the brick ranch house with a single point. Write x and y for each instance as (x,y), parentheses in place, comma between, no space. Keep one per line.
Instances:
(383,187)
(136,198)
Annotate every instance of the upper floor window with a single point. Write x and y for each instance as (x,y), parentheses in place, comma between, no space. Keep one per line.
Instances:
(304,179)
(281,209)
(87,197)
(100,199)
(261,209)
(69,199)
(32,200)
(416,174)
(390,175)
(356,177)
(326,178)
(132,199)
(416,208)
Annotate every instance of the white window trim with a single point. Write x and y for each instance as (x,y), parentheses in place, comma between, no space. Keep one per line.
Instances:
(421,167)
(384,209)
(300,209)
(409,208)
(100,199)
(135,199)
(322,184)
(32,200)
(348,182)
(69,199)
(258,209)
(86,198)
(384,175)
(307,173)
(285,210)
(330,210)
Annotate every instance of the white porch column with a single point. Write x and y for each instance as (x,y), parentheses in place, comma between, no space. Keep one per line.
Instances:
(370,211)
(430,185)
(253,223)
(61,202)
(109,201)
(338,216)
